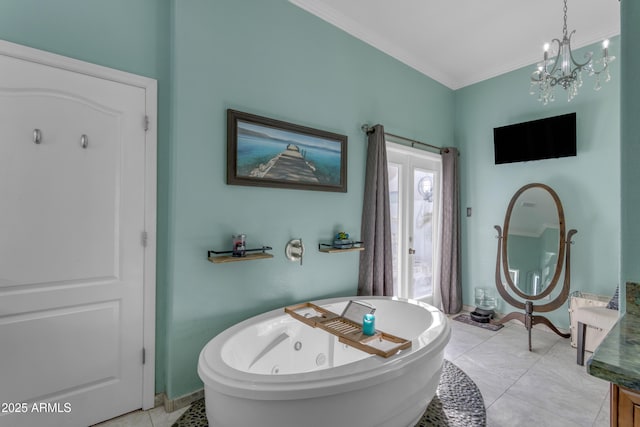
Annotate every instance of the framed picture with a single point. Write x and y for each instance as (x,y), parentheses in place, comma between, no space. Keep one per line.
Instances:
(271,153)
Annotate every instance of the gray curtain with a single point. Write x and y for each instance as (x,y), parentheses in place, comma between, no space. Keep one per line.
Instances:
(376,269)
(450,271)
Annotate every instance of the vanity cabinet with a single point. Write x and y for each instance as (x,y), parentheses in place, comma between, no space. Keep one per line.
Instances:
(625,407)
(616,360)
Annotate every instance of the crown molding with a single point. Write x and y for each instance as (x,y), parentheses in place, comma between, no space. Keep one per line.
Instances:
(353,28)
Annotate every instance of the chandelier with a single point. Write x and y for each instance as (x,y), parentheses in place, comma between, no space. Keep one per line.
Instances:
(559,68)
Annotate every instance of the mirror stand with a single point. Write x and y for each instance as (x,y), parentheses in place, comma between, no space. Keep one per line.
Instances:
(528,318)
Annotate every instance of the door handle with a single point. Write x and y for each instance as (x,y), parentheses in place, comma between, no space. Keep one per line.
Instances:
(412,251)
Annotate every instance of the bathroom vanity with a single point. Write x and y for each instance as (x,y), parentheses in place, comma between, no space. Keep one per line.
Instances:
(617,360)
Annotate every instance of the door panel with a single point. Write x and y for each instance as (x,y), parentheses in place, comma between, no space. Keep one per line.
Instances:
(63,366)
(395,203)
(60,199)
(414,192)
(71,257)
(422,232)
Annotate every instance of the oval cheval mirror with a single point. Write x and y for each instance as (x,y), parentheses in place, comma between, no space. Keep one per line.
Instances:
(533,249)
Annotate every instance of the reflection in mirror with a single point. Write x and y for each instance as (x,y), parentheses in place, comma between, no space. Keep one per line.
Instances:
(533,241)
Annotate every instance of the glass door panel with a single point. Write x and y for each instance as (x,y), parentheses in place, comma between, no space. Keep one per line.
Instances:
(421,285)
(414,193)
(394,170)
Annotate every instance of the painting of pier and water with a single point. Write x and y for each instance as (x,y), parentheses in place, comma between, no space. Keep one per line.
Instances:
(272,153)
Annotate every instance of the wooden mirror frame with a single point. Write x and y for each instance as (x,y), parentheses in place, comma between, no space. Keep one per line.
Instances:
(561,244)
(528,318)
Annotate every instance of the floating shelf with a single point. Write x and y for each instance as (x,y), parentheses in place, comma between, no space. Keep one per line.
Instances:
(330,249)
(221,257)
(348,332)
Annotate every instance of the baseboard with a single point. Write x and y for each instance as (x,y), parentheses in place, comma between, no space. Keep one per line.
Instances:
(158,400)
(171,405)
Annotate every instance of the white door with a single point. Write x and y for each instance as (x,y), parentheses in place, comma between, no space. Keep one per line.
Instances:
(414,192)
(72,255)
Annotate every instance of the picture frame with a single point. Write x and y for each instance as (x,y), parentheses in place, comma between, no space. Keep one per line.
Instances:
(265,152)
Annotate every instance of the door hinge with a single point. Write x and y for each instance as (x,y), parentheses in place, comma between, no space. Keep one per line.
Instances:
(146,123)
(144,238)
(144,355)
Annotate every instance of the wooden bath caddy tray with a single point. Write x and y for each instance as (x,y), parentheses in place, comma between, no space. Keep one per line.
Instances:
(348,332)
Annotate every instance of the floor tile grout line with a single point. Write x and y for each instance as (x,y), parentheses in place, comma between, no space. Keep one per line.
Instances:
(604,400)
(538,360)
(484,340)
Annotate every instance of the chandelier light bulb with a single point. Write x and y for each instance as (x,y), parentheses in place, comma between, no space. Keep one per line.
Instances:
(546,53)
(605,51)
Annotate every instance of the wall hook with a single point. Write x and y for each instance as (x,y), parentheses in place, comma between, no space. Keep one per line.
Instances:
(37,136)
(84,141)
(294,250)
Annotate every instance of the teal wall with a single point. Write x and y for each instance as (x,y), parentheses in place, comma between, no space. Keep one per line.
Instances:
(265,57)
(630,152)
(273,59)
(588,185)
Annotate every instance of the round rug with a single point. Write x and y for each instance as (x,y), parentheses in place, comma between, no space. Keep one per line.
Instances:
(457,403)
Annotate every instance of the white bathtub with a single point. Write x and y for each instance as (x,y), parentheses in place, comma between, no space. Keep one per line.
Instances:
(274,371)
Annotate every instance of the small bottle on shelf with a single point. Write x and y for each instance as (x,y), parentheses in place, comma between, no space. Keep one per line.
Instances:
(239,245)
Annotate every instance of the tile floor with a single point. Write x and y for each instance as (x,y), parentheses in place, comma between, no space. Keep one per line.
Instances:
(542,388)
(156,417)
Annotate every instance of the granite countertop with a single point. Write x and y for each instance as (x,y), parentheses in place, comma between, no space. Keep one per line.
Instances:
(617,358)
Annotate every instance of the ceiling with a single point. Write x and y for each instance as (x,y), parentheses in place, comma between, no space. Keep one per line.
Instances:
(461,42)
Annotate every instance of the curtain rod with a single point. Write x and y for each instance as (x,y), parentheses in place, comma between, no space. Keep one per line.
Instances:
(368,130)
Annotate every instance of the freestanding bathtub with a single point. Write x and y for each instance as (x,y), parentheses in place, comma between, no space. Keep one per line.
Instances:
(275,371)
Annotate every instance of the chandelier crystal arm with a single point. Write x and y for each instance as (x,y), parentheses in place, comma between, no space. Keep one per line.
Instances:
(587,55)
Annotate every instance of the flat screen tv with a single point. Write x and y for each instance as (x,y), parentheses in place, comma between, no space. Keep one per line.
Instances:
(536,140)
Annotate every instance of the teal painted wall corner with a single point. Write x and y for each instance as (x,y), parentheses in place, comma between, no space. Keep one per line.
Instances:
(210,56)
(588,185)
(630,151)
(272,59)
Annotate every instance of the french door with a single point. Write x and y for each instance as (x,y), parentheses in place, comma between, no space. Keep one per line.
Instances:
(414,193)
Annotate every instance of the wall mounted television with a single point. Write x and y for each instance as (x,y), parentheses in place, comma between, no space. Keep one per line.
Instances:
(547,138)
